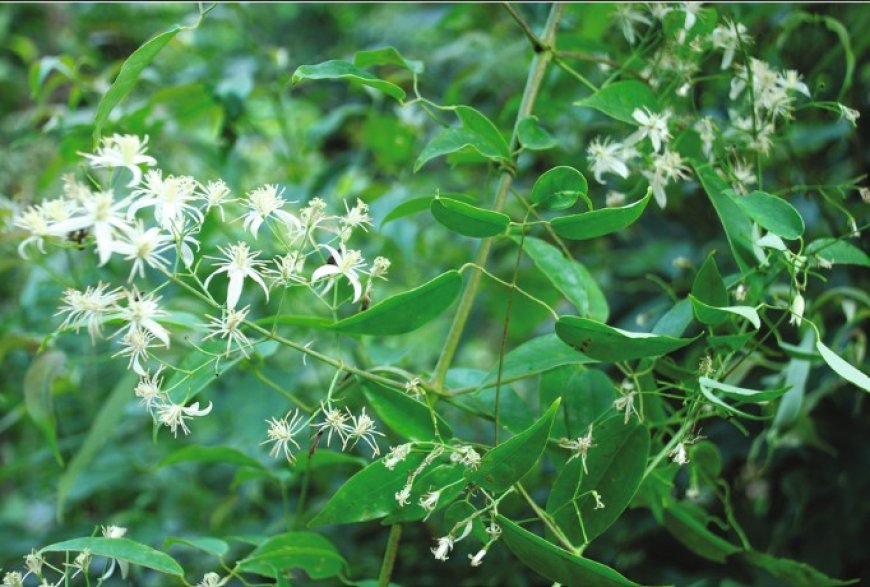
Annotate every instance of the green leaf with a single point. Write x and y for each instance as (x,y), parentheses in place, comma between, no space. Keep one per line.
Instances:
(477,134)
(369,494)
(599,222)
(103,429)
(559,188)
(616,464)
(773,214)
(468,220)
(796,373)
(121,549)
(533,136)
(444,478)
(619,100)
(406,311)
(38,397)
(210,454)
(586,395)
(213,546)
(605,343)
(842,368)
(741,394)
(417,205)
(708,286)
(693,534)
(535,356)
(326,458)
(738,228)
(407,417)
(338,69)
(713,316)
(838,252)
(557,564)
(569,277)
(199,369)
(793,573)
(308,551)
(129,75)
(508,462)
(386,56)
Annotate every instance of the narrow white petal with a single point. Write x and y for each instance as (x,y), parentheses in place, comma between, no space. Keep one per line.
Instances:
(325,271)
(234,290)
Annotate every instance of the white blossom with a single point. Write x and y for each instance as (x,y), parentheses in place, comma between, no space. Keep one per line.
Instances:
(103,216)
(728,37)
(266,201)
(344,263)
(143,247)
(477,559)
(87,308)
(216,194)
(429,502)
(628,17)
(136,343)
(579,446)
(358,216)
(797,307)
(122,151)
(362,427)
(113,531)
(171,197)
(281,432)
(609,157)
(149,391)
(679,455)
(334,420)
(445,545)
(403,497)
(667,167)
(174,416)
(229,327)
(849,114)
(238,263)
(396,455)
(142,312)
(652,126)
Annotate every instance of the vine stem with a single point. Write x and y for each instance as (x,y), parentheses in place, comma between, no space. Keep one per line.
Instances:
(533,83)
(390,555)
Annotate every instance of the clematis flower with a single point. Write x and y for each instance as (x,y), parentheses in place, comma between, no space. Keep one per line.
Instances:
(266,201)
(122,151)
(652,126)
(103,216)
(238,263)
(344,263)
(170,196)
(174,416)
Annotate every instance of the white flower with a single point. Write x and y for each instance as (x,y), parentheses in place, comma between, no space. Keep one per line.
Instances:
(313,214)
(599,505)
(281,432)
(144,247)
(113,531)
(679,454)
(445,545)
(229,326)
(396,455)
(122,151)
(579,446)
(288,269)
(81,562)
(706,129)
(172,198)
(849,114)
(358,216)
(362,427)
(626,404)
(744,176)
(87,308)
(865,194)
(212,580)
(174,416)
(13,579)
(136,343)
(403,497)
(477,559)
(653,126)
(35,221)
(667,167)
(691,9)
(608,157)
(149,391)
(103,216)
(344,263)
(494,530)
(798,305)
(614,198)
(429,502)
(334,420)
(627,17)
(266,201)
(215,194)
(380,266)
(34,562)
(728,37)
(791,80)
(467,456)
(142,312)
(238,263)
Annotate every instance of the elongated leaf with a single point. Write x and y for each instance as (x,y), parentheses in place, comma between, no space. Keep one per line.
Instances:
(738,228)
(586,395)
(793,573)
(838,252)
(446,479)
(559,188)
(408,417)
(338,69)
(308,551)
(508,462)
(417,205)
(711,315)
(605,343)
(569,277)
(368,495)
(533,136)
(693,534)
(210,454)
(477,134)
(102,430)
(557,564)
(796,373)
(537,356)
(616,464)
(772,213)
(599,222)
(619,100)
(386,56)
(741,394)
(38,398)
(708,286)
(843,368)
(121,549)
(213,546)
(129,75)
(406,311)
(468,220)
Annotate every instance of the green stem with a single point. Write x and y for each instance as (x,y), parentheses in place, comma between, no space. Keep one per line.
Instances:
(390,555)
(530,94)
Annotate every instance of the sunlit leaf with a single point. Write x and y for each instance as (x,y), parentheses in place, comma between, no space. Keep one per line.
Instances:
(337,69)
(620,99)
(468,220)
(600,222)
(533,136)
(559,188)
(477,133)
(843,368)
(121,549)
(772,213)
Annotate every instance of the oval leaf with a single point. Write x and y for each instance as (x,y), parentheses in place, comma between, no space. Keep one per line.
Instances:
(416,205)
(559,188)
(213,546)
(738,228)
(838,252)
(608,344)
(599,222)
(468,220)
(533,136)
(508,462)
(308,551)
(121,549)
(338,69)
(619,100)
(557,564)
(773,214)
(407,417)
(210,454)
(713,316)
(477,133)
(535,356)
(708,286)
(386,56)
(406,311)
(843,368)
(692,533)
